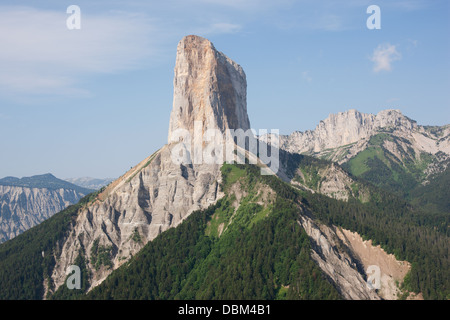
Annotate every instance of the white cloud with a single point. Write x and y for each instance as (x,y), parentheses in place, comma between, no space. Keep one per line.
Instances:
(383,56)
(40,55)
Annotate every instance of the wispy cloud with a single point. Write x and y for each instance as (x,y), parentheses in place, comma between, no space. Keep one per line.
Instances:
(40,55)
(306,76)
(383,56)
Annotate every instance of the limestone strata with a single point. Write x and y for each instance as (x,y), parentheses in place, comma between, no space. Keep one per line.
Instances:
(156,196)
(341,136)
(22,208)
(209,87)
(341,268)
(392,271)
(160,193)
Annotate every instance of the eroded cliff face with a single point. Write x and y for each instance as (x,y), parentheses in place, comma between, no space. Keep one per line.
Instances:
(159,193)
(344,128)
(154,196)
(337,261)
(343,135)
(354,265)
(22,208)
(391,271)
(209,88)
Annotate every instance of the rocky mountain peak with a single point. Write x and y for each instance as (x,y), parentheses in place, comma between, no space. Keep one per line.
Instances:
(360,125)
(209,88)
(158,193)
(345,128)
(394,118)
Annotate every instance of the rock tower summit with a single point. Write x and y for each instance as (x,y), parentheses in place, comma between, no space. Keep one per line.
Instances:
(208,87)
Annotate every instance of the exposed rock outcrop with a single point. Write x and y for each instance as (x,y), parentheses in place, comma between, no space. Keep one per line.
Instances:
(329,253)
(332,181)
(154,196)
(391,271)
(22,208)
(160,193)
(343,135)
(345,258)
(209,87)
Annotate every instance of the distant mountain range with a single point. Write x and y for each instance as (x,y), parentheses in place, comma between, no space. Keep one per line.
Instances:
(26,202)
(47,181)
(90,183)
(360,193)
(388,149)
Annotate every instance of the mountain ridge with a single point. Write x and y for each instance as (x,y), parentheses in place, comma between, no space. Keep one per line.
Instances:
(353,127)
(28,201)
(307,203)
(89,182)
(159,193)
(47,180)
(388,149)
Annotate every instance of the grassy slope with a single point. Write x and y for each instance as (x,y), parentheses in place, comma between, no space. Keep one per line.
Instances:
(377,165)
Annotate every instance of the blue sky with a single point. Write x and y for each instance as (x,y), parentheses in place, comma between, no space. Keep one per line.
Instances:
(96,101)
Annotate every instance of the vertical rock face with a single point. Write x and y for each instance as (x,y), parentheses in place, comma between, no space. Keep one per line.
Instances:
(343,135)
(158,194)
(345,128)
(208,87)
